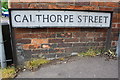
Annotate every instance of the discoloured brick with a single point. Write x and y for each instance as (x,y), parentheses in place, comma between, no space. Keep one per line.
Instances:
(72,40)
(65,35)
(29,46)
(55,40)
(57,50)
(45,46)
(65,45)
(23,41)
(39,41)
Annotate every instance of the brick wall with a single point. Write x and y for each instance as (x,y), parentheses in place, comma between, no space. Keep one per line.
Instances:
(63,41)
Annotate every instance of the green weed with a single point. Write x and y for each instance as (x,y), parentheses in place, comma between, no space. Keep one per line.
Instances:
(35,63)
(9,72)
(90,52)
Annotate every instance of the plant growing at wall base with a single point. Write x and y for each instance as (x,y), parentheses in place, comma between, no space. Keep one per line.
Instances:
(9,72)
(90,52)
(35,63)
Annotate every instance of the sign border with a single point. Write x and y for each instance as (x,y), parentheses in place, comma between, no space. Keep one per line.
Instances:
(11,9)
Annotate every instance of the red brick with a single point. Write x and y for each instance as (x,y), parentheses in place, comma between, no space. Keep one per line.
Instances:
(22,30)
(101,30)
(55,40)
(24,41)
(65,35)
(30,36)
(28,46)
(87,39)
(111,4)
(56,29)
(105,9)
(38,30)
(65,45)
(72,40)
(15,5)
(57,50)
(86,8)
(47,35)
(99,39)
(90,34)
(39,41)
(82,3)
(79,34)
(115,30)
(94,3)
(102,3)
(72,29)
(18,36)
(45,46)
(79,44)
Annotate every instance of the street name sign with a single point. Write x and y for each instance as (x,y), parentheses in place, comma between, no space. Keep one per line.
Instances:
(33,18)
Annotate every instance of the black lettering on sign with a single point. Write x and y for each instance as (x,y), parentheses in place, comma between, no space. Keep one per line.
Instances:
(47,18)
(38,17)
(70,18)
(15,18)
(90,19)
(79,17)
(59,18)
(52,18)
(96,19)
(105,18)
(25,18)
(65,17)
(85,18)
(100,19)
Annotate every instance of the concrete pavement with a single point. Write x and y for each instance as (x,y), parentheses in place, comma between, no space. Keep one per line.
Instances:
(85,67)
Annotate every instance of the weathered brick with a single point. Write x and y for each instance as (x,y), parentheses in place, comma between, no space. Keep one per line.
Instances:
(87,39)
(57,50)
(22,30)
(99,39)
(92,44)
(55,40)
(72,40)
(15,5)
(28,46)
(79,44)
(39,41)
(79,34)
(56,29)
(23,41)
(101,30)
(41,51)
(47,35)
(90,34)
(94,3)
(111,4)
(117,10)
(65,45)
(38,30)
(45,46)
(64,35)
(30,35)
(105,9)
(82,3)
(72,29)
(18,36)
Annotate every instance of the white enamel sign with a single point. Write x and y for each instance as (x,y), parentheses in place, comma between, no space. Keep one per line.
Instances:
(59,18)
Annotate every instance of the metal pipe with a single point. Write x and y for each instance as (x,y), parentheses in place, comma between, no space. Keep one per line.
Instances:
(2,52)
(118,47)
